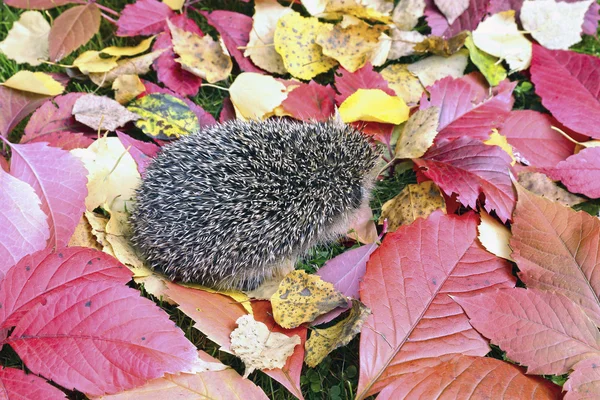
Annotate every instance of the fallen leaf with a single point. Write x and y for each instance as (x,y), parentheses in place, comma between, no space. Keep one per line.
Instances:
(34,82)
(372,10)
(72,29)
(499,140)
(414,201)
(373,105)
(101,112)
(452,9)
(302,297)
(91,61)
(174,5)
(201,56)
(499,36)
(37,4)
(138,65)
(440,46)
(431,69)
(540,184)
(260,48)
(127,88)
(144,17)
(239,296)
(295,42)
(16,105)
(118,234)
(128,51)
(361,226)
(555,25)
(255,96)
(27,40)
(17,383)
(584,380)
(310,102)
(323,341)
(348,83)
(403,83)
(406,14)
(258,347)
(579,173)
(489,66)
(142,152)
(418,134)
(494,236)
(468,20)
(83,236)
(163,116)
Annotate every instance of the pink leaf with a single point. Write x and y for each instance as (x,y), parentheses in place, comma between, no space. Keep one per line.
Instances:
(235,29)
(59,179)
(470,168)
(16,105)
(580,173)
(468,20)
(167,69)
(530,133)
(38,4)
(406,286)
(365,78)
(54,123)
(310,102)
(466,109)
(142,152)
(72,29)
(144,17)
(100,338)
(45,272)
(23,224)
(545,331)
(584,381)
(16,384)
(590,21)
(569,85)
(227,112)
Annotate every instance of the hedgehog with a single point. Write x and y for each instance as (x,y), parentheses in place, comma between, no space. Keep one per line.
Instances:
(238,203)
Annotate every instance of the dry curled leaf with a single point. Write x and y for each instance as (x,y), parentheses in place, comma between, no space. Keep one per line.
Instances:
(101,112)
(27,40)
(127,88)
(440,46)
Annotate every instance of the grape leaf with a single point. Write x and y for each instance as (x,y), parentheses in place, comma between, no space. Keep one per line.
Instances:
(365,78)
(580,173)
(72,29)
(144,17)
(469,168)
(59,180)
(406,286)
(38,4)
(569,85)
(310,102)
(584,381)
(545,331)
(16,105)
(16,384)
(556,249)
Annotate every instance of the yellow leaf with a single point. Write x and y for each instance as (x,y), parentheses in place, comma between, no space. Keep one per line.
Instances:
(255,95)
(294,40)
(302,298)
(91,61)
(414,201)
(418,134)
(374,105)
(578,145)
(201,56)
(407,86)
(34,82)
(324,341)
(260,48)
(127,88)
(499,140)
(494,236)
(239,297)
(540,184)
(156,286)
(175,5)
(137,65)
(362,227)
(433,68)
(27,40)
(351,42)
(164,117)
(128,51)
(83,236)
(489,65)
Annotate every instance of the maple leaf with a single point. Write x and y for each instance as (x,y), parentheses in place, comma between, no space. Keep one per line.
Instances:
(144,17)
(406,286)
(72,29)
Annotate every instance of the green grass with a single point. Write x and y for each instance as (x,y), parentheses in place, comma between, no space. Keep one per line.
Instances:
(337,376)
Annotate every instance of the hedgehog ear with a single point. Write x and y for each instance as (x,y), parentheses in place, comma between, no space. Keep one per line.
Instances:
(337,117)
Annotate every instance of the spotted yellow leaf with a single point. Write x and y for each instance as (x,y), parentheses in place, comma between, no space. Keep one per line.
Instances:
(163,116)
(490,67)
(34,82)
(128,51)
(91,61)
(418,134)
(302,298)
(499,140)
(294,40)
(127,88)
(406,85)
(255,96)
(374,105)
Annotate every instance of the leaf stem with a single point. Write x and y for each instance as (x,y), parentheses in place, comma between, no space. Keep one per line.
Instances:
(109,19)
(108,10)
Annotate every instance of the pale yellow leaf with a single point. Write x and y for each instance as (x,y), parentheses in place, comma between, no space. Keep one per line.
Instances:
(255,95)
(127,88)
(452,9)
(372,10)
(361,225)
(418,134)
(27,40)
(83,236)
(494,236)
(373,105)
(175,5)
(434,68)
(128,51)
(403,43)
(91,61)
(407,13)
(118,234)
(406,86)
(499,140)
(34,82)
(155,285)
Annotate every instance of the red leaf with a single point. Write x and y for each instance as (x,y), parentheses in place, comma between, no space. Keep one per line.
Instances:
(556,249)
(23,225)
(584,381)
(310,102)
(569,85)
(144,17)
(406,286)
(16,105)
(365,78)
(101,338)
(46,272)
(235,29)
(470,377)
(530,134)
(468,20)
(289,375)
(59,179)
(142,152)
(72,29)
(167,69)
(37,4)
(466,109)
(470,168)
(54,123)
(16,384)
(580,173)
(227,112)
(544,330)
